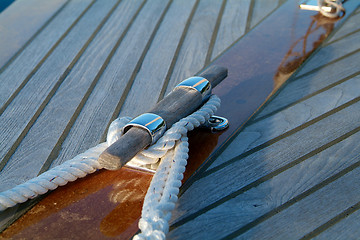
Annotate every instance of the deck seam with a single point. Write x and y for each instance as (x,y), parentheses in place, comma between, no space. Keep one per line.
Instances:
(177,51)
(53,90)
(280,137)
(135,72)
(215,33)
(304,98)
(294,200)
(249,17)
(332,222)
(33,37)
(57,148)
(41,62)
(269,176)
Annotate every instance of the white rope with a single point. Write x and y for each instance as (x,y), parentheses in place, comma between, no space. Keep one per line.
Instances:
(171,148)
(334,4)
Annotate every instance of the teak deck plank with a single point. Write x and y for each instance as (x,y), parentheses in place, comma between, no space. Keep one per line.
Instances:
(101,106)
(286,160)
(304,86)
(259,133)
(261,9)
(24,110)
(158,60)
(15,30)
(280,192)
(232,26)
(259,164)
(347,228)
(194,50)
(312,211)
(13,77)
(350,27)
(56,118)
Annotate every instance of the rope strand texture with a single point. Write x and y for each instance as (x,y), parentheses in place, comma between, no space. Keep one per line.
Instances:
(171,148)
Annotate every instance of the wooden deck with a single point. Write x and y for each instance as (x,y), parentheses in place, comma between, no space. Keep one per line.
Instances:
(291,173)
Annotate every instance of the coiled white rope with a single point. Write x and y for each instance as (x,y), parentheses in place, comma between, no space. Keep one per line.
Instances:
(171,148)
(336,5)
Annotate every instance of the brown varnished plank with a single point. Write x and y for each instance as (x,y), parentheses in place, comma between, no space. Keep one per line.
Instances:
(259,133)
(17,119)
(250,208)
(114,83)
(259,165)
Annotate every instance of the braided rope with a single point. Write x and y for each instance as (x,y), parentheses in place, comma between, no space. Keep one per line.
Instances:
(165,183)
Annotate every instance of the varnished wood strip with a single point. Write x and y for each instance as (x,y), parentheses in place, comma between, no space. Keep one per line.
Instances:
(14,78)
(98,110)
(347,228)
(299,101)
(299,88)
(266,163)
(191,58)
(352,230)
(27,17)
(261,202)
(27,107)
(331,52)
(350,27)
(257,133)
(232,26)
(310,210)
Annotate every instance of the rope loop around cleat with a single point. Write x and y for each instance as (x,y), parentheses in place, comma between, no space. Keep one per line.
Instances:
(169,155)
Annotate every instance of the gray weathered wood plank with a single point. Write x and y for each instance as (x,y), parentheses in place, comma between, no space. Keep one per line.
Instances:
(247,169)
(309,84)
(23,65)
(273,193)
(158,60)
(92,122)
(233,25)
(331,52)
(347,228)
(350,26)
(25,108)
(311,212)
(258,133)
(56,117)
(192,55)
(261,9)
(21,21)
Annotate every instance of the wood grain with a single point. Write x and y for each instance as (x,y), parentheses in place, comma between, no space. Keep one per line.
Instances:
(249,168)
(332,52)
(158,60)
(192,55)
(312,211)
(348,228)
(264,198)
(233,25)
(309,84)
(15,76)
(350,26)
(25,108)
(21,21)
(258,133)
(92,121)
(57,116)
